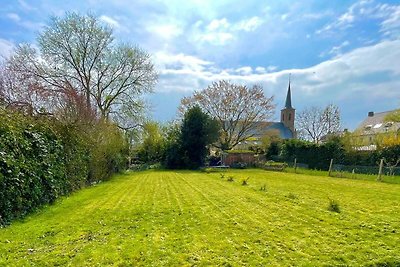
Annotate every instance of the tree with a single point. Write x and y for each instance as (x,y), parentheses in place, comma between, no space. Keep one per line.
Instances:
(237,108)
(314,123)
(79,52)
(152,148)
(198,131)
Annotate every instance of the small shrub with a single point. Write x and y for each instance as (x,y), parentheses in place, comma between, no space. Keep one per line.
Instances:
(292,196)
(333,206)
(263,188)
(245,181)
(222,175)
(230,179)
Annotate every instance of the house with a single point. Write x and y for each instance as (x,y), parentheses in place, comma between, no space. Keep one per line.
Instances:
(374,126)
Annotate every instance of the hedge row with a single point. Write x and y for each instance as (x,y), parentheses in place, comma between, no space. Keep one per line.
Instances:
(318,156)
(42,159)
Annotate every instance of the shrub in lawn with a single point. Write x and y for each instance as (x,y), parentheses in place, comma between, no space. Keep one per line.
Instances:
(263,187)
(222,175)
(333,206)
(245,181)
(230,179)
(292,196)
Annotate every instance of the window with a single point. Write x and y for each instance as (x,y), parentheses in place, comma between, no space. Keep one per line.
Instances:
(368,127)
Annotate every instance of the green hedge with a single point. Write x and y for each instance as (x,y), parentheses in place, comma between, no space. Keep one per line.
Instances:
(318,156)
(42,159)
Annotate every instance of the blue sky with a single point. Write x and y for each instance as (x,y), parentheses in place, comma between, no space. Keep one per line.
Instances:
(342,52)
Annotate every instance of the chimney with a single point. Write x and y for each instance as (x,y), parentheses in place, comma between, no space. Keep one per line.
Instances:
(370,114)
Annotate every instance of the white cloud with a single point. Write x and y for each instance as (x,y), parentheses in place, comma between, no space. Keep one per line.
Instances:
(110,21)
(167,31)
(249,25)
(13,16)
(345,77)
(165,61)
(337,50)
(218,24)
(244,70)
(220,32)
(6,48)
(389,16)
(217,38)
(260,70)
(25,5)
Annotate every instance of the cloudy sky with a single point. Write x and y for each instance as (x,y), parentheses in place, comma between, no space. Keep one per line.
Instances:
(342,52)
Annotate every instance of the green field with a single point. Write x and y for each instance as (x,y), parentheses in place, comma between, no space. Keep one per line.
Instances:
(167,218)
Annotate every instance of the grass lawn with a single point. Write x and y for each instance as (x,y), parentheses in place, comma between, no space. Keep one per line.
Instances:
(167,218)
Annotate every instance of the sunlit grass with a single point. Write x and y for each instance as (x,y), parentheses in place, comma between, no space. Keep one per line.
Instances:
(166,218)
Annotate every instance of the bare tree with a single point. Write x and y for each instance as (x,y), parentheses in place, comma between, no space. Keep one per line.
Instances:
(21,91)
(314,123)
(79,52)
(237,108)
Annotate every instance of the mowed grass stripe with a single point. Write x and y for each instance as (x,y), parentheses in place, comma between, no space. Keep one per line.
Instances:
(163,218)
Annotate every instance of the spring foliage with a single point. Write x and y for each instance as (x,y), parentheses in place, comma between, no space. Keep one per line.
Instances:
(42,159)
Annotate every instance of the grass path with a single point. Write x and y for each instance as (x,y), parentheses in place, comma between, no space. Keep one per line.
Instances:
(166,218)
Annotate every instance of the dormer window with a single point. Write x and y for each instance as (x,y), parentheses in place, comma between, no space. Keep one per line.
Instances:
(368,127)
(389,124)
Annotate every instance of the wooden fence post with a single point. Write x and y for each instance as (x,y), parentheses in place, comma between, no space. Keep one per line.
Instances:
(330,168)
(295,165)
(380,171)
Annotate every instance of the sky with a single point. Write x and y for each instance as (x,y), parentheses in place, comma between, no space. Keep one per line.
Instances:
(345,53)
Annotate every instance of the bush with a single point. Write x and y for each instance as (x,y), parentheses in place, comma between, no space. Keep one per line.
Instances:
(333,206)
(42,159)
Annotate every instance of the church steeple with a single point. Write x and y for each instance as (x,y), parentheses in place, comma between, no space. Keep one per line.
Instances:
(288,103)
(288,112)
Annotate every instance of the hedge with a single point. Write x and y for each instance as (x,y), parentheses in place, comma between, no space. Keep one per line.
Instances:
(41,159)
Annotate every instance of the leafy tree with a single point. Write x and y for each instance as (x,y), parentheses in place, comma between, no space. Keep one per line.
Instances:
(152,148)
(314,123)
(198,131)
(237,108)
(173,147)
(78,52)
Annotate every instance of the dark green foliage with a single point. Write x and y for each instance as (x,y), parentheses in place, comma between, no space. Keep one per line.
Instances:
(316,156)
(263,187)
(187,146)
(198,130)
(173,148)
(333,206)
(273,149)
(152,149)
(42,159)
(245,181)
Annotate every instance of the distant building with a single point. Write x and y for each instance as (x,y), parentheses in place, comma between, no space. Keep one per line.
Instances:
(284,128)
(375,125)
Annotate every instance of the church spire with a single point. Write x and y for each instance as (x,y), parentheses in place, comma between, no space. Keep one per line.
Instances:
(288,103)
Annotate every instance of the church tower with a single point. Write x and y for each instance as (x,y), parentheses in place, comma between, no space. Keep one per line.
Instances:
(287,114)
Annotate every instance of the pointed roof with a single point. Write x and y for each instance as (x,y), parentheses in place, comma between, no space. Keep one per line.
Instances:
(288,103)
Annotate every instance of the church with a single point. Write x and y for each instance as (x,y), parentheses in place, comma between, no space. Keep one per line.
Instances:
(284,128)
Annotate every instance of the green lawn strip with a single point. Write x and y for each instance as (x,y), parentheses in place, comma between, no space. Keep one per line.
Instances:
(183,218)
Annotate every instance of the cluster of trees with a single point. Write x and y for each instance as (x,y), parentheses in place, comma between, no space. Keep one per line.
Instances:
(184,145)
(219,116)
(67,108)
